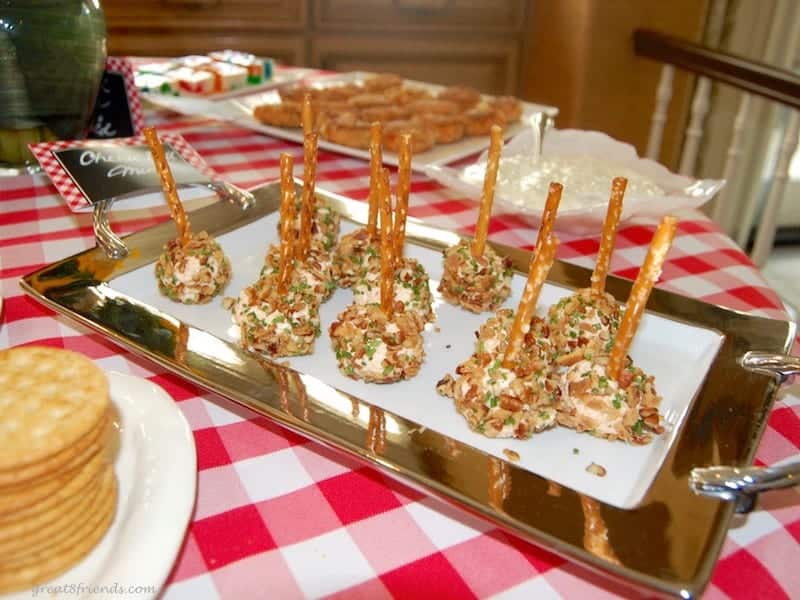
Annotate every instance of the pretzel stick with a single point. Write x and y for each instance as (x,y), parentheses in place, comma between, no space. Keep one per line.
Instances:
(640,292)
(288,199)
(375,162)
(549,212)
(489,183)
(403,190)
(307,206)
(609,235)
(307,115)
(387,259)
(540,267)
(168,185)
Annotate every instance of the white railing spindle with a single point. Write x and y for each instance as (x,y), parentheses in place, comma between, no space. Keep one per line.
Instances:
(765,235)
(663,96)
(723,207)
(694,132)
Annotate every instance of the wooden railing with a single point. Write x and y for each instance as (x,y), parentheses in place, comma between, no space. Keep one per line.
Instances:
(752,78)
(749,76)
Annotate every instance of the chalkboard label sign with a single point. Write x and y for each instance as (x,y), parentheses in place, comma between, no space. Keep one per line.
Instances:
(117,111)
(102,171)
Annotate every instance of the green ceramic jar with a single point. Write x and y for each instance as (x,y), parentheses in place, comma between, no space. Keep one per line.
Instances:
(52,54)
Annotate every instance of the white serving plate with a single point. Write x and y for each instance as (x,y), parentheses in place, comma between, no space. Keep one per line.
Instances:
(438,155)
(156,469)
(282,76)
(679,192)
(663,347)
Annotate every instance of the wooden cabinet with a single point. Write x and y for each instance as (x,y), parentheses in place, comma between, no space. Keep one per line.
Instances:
(499,16)
(185,16)
(287,49)
(475,42)
(176,27)
(489,65)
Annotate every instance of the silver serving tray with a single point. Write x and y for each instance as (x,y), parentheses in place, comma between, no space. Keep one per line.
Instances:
(669,544)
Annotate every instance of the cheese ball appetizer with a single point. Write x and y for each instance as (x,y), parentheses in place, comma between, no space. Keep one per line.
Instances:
(584,324)
(354,255)
(376,348)
(279,314)
(358,251)
(324,224)
(592,401)
(475,276)
(410,290)
(608,396)
(507,388)
(412,293)
(193,273)
(315,272)
(373,342)
(537,347)
(477,284)
(273,323)
(499,402)
(192,269)
(311,216)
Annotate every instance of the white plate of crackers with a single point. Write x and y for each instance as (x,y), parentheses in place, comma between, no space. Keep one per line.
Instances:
(107,511)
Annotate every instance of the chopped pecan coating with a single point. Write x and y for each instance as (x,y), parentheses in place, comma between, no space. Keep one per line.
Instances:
(316,271)
(356,253)
(275,324)
(477,284)
(593,402)
(584,324)
(412,292)
(194,273)
(374,348)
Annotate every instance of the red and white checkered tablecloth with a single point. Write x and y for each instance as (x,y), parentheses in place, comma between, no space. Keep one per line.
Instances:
(278,516)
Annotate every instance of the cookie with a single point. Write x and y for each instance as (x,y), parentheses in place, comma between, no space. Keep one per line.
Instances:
(49,400)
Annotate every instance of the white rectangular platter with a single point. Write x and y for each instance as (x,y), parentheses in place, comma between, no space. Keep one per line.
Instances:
(282,76)
(438,155)
(677,354)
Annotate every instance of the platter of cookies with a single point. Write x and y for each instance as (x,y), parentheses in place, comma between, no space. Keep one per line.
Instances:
(445,123)
(530,391)
(82,451)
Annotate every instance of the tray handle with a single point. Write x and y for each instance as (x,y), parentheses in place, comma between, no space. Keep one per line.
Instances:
(112,244)
(742,485)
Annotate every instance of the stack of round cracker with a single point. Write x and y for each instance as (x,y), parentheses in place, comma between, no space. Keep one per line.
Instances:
(58,492)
